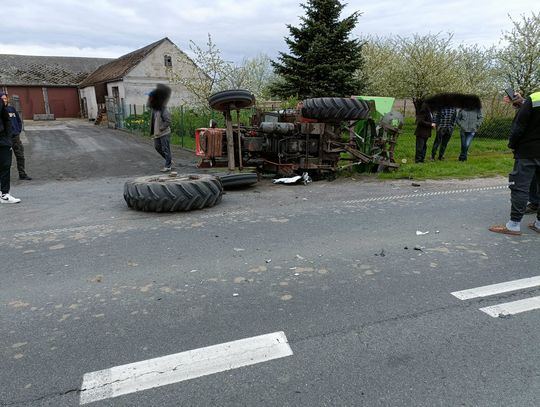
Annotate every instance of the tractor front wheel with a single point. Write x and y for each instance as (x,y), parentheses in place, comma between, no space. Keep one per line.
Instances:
(335,109)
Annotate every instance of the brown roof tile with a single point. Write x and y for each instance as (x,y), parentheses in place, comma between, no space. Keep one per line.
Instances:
(29,70)
(118,68)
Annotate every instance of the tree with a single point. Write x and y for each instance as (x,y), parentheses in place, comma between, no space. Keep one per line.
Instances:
(419,66)
(210,73)
(323,58)
(254,74)
(210,70)
(520,58)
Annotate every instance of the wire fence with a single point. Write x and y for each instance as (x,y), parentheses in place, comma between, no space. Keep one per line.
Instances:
(185,120)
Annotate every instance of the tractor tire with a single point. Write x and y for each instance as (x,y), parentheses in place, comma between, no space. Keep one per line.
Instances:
(236,181)
(231,100)
(161,193)
(335,109)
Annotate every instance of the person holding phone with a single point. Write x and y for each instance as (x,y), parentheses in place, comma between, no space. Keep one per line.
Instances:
(524,141)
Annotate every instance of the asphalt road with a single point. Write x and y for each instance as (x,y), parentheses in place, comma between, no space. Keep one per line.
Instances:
(364,301)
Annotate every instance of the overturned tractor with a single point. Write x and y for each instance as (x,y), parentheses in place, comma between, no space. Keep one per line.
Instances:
(315,137)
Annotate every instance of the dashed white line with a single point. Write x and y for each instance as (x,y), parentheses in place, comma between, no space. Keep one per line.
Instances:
(493,289)
(395,197)
(182,366)
(64,230)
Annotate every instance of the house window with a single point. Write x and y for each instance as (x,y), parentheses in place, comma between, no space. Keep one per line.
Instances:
(168,61)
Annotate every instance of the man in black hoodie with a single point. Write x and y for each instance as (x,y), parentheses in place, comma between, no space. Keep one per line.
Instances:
(5,157)
(525,143)
(16,127)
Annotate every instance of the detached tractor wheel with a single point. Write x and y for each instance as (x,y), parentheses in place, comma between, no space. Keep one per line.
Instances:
(237,181)
(160,193)
(231,100)
(335,109)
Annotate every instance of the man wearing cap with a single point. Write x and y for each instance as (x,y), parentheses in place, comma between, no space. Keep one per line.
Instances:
(17,146)
(5,157)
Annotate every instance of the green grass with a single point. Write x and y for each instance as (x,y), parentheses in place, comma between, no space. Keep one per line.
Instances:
(487,158)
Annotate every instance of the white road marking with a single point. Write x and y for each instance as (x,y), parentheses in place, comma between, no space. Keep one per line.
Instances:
(500,288)
(424,194)
(147,374)
(511,308)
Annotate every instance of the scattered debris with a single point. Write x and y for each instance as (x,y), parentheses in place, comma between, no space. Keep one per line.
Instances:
(237,249)
(269,260)
(420,233)
(299,257)
(235,295)
(305,178)
(419,248)
(414,184)
(382,253)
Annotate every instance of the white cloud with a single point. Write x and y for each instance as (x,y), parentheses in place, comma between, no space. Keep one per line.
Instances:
(241,28)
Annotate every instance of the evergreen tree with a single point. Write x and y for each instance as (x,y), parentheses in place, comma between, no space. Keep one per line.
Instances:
(323,58)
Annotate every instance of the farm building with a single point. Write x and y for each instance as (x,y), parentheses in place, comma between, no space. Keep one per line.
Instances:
(46,87)
(122,85)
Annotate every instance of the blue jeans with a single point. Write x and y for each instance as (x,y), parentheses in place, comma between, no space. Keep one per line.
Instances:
(466,140)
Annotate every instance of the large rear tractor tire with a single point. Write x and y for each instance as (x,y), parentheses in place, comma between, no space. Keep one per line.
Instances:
(161,193)
(335,109)
(231,100)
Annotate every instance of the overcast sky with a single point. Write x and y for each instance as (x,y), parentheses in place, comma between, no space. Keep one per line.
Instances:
(240,28)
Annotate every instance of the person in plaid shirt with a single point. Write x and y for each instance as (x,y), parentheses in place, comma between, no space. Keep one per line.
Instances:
(445,119)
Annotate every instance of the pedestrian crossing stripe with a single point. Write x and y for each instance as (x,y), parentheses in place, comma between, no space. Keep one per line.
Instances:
(508,308)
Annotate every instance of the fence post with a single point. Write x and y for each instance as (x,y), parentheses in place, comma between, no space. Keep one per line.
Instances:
(182,130)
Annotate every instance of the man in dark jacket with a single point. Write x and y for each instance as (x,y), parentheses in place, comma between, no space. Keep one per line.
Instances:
(424,125)
(5,157)
(525,143)
(17,146)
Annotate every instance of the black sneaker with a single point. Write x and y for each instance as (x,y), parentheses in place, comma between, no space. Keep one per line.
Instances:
(531,208)
(25,177)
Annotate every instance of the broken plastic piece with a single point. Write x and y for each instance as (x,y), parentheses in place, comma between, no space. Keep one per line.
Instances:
(419,233)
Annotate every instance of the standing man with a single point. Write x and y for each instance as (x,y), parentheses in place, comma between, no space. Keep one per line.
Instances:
(424,125)
(445,121)
(5,157)
(160,123)
(17,146)
(468,120)
(525,143)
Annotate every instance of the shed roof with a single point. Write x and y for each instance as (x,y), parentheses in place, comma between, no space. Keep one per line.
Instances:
(118,68)
(29,70)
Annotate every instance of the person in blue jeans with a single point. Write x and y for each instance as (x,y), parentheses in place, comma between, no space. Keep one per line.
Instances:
(468,121)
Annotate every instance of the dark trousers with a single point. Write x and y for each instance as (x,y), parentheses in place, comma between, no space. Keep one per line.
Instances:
(441,140)
(534,195)
(421,148)
(18,149)
(520,182)
(163,147)
(5,168)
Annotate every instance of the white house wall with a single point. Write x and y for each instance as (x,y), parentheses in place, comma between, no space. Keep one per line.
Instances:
(151,71)
(91,102)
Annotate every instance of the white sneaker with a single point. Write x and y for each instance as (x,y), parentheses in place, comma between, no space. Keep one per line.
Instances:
(165,169)
(7,198)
